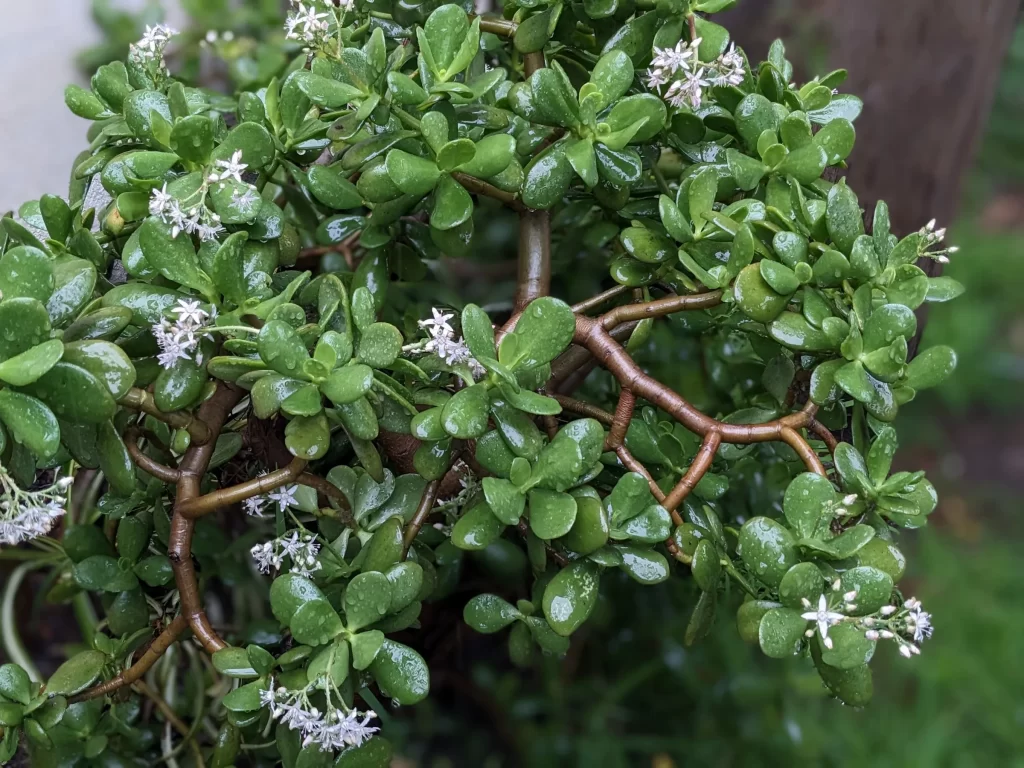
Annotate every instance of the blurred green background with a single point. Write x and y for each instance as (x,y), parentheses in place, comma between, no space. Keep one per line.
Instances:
(628,696)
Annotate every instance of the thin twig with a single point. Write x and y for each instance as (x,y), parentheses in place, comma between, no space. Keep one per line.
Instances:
(584,409)
(156,649)
(422,513)
(141,400)
(475,186)
(595,301)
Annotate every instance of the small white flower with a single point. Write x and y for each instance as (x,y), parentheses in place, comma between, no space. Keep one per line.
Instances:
(850,596)
(284,497)
(824,618)
(173,345)
(229,169)
(209,232)
(254,506)
(190,311)
(871,634)
(156,37)
(306,25)
(905,651)
(888,610)
(159,201)
(657,77)
(437,324)
(919,623)
(729,68)
(689,91)
(849,500)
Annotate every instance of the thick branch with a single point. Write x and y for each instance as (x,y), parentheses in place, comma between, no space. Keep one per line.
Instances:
(160,471)
(592,335)
(700,466)
(534,273)
(620,422)
(500,27)
(214,412)
(660,308)
(225,497)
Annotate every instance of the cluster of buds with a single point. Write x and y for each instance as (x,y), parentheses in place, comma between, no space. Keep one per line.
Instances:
(686,76)
(908,625)
(149,51)
(179,340)
(25,515)
(442,342)
(330,731)
(299,547)
(932,237)
(197,220)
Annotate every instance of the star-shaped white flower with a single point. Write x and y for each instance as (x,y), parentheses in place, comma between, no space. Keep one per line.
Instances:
(284,497)
(159,201)
(229,169)
(825,619)
(189,312)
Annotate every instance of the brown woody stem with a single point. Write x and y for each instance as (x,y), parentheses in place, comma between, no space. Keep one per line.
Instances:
(475,186)
(701,464)
(500,27)
(584,409)
(534,272)
(135,672)
(595,301)
(148,464)
(214,412)
(422,513)
(224,497)
(610,354)
(620,422)
(660,308)
(141,400)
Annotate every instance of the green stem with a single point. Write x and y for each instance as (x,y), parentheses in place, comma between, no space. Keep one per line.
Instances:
(406,118)
(731,570)
(12,644)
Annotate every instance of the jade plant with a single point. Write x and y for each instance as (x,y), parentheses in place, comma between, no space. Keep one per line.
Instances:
(256,422)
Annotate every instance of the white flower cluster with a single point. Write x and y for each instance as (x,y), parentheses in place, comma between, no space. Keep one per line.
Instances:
(933,237)
(686,76)
(198,220)
(908,626)
(300,548)
(307,26)
(150,49)
(284,497)
(442,342)
(25,515)
(178,340)
(330,731)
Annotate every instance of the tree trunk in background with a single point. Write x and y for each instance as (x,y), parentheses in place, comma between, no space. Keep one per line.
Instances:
(927,71)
